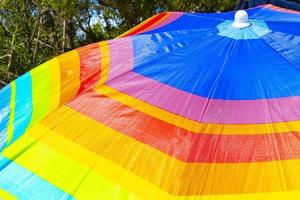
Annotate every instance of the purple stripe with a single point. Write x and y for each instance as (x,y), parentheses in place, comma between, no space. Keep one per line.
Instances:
(204,110)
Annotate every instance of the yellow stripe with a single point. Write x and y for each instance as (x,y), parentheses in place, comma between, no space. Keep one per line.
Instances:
(65,173)
(10,127)
(179,177)
(40,92)
(45,89)
(94,185)
(6,196)
(54,71)
(194,126)
(124,179)
(105,62)
(39,158)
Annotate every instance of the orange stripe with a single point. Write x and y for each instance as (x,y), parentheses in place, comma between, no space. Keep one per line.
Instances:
(200,147)
(70,75)
(194,126)
(174,176)
(104,61)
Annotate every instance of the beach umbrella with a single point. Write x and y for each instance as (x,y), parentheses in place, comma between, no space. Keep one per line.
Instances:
(184,105)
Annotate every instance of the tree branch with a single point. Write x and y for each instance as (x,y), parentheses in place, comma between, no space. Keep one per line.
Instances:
(6,55)
(12,46)
(5,30)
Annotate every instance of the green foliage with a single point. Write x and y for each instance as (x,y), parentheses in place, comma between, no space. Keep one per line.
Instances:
(33,31)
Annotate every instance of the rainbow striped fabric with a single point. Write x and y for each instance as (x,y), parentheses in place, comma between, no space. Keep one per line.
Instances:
(183,106)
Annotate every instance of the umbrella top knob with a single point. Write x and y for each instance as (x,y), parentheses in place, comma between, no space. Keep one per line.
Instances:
(241,19)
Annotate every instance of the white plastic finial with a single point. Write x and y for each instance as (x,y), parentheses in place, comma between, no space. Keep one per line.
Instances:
(241,19)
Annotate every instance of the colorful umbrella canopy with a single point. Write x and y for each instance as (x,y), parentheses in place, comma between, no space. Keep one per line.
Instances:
(185,106)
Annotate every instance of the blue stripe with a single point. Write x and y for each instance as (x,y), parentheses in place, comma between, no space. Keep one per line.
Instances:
(187,54)
(23,184)
(221,67)
(23,105)
(5,95)
(194,21)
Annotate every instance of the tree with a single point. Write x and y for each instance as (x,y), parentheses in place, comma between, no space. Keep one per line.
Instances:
(33,31)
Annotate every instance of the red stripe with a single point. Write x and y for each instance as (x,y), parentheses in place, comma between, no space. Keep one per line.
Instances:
(185,145)
(89,66)
(143,27)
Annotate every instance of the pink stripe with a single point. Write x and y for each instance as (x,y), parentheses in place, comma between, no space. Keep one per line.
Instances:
(121,57)
(172,17)
(192,106)
(276,8)
(204,110)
